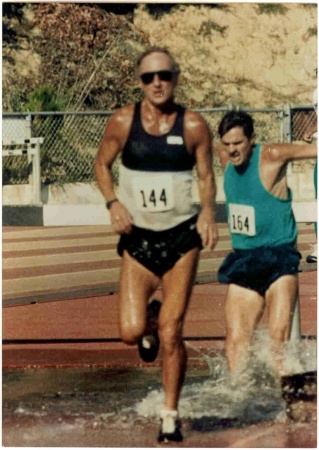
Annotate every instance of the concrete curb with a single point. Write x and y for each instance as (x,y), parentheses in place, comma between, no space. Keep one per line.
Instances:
(92,214)
(68,215)
(24,216)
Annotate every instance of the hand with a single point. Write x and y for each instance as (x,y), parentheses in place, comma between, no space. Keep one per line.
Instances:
(207,228)
(307,137)
(121,219)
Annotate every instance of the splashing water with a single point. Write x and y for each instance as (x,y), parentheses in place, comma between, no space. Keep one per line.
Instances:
(255,396)
(124,398)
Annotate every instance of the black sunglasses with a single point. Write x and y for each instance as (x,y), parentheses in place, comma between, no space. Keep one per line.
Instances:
(164,75)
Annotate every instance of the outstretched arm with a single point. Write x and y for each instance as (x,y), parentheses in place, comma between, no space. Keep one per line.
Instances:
(308,135)
(283,153)
(274,161)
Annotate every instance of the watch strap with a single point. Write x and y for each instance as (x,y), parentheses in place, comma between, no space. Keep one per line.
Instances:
(110,203)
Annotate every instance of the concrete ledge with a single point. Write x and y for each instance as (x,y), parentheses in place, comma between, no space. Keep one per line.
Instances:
(69,215)
(88,214)
(305,211)
(64,215)
(26,215)
(300,180)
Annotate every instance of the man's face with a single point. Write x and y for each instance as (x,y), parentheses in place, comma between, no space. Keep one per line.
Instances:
(237,145)
(157,87)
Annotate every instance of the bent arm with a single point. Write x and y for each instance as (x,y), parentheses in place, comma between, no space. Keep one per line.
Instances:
(112,143)
(222,154)
(204,166)
(200,140)
(107,153)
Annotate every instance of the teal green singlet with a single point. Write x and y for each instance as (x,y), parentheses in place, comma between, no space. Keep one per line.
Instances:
(256,218)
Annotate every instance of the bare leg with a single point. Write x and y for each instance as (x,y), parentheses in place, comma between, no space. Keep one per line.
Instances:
(177,287)
(280,299)
(244,309)
(137,284)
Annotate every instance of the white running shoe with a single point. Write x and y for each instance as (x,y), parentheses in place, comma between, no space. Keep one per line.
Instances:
(148,345)
(313,257)
(170,430)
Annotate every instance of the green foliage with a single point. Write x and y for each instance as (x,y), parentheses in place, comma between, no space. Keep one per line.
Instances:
(93,68)
(13,172)
(58,168)
(13,99)
(209,26)
(9,33)
(44,99)
(309,5)
(157,10)
(61,159)
(312,31)
(271,8)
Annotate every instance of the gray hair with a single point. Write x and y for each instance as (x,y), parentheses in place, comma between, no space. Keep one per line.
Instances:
(175,65)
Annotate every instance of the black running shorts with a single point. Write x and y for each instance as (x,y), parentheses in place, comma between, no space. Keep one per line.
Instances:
(158,251)
(258,268)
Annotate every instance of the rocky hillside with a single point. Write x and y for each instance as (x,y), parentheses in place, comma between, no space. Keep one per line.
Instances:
(252,54)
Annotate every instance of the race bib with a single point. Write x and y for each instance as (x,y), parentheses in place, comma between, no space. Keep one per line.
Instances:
(153,193)
(242,219)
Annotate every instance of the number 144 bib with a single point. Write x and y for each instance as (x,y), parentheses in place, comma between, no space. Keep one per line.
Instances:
(153,193)
(242,219)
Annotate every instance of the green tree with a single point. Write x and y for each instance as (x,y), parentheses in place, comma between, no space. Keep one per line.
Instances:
(44,99)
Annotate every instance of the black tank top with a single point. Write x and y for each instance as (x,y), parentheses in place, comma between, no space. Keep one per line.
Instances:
(146,152)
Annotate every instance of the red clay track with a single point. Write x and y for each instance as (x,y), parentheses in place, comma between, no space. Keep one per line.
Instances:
(60,284)
(60,315)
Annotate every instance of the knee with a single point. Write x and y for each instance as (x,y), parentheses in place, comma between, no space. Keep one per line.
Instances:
(279,332)
(170,335)
(131,333)
(279,328)
(236,339)
(235,352)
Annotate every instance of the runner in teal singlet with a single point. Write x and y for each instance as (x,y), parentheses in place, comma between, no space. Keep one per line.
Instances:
(162,230)
(311,136)
(262,269)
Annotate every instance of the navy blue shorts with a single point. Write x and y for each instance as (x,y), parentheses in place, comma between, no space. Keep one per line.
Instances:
(158,251)
(258,268)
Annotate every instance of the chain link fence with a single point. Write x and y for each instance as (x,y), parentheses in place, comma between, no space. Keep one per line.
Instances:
(71,140)
(301,118)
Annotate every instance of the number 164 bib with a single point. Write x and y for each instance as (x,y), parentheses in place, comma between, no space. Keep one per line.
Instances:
(242,219)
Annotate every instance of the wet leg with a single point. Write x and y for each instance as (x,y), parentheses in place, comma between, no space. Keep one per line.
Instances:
(244,309)
(137,284)
(177,288)
(280,300)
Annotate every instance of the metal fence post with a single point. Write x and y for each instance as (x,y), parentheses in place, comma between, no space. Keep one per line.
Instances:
(28,127)
(287,123)
(295,333)
(281,119)
(28,135)
(36,172)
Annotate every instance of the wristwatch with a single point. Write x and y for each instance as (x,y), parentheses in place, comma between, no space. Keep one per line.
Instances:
(110,203)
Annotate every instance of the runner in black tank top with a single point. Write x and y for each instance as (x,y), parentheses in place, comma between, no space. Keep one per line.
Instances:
(168,152)
(162,229)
